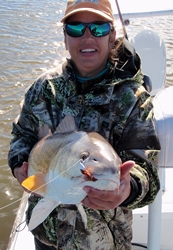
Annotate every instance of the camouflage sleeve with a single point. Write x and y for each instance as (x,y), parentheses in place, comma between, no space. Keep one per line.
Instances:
(35,111)
(145,175)
(39,108)
(139,142)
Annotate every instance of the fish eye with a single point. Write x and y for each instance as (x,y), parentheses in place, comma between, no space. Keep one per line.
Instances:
(84,156)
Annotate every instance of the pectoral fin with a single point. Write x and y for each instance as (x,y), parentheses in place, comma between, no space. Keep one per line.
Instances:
(83,214)
(36,183)
(41,211)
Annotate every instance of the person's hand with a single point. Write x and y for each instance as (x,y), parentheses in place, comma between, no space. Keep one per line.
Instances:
(104,200)
(21,173)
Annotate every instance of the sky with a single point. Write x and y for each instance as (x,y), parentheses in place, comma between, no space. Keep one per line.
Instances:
(127,6)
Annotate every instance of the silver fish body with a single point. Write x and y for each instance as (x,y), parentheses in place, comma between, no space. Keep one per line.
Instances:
(60,165)
(61,157)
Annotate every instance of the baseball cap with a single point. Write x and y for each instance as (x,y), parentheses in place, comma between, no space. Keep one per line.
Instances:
(100,7)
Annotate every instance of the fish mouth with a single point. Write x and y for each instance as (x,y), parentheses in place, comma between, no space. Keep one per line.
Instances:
(99,182)
(88,175)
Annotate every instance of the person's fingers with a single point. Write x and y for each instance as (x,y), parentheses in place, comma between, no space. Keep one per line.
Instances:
(24,169)
(125,168)
(99,194)
(97,204)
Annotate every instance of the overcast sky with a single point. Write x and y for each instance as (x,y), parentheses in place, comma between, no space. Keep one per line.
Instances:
(127,6)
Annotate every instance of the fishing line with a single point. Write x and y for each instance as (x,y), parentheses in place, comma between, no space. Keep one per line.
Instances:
(79,161)
(56,177)
(13,202)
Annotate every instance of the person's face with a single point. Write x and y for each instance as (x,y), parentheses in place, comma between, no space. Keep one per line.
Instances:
(89,53)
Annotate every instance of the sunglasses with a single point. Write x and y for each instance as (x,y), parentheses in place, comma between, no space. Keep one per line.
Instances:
(97,29)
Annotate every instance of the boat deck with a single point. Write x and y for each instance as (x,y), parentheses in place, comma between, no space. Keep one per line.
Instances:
(140,220)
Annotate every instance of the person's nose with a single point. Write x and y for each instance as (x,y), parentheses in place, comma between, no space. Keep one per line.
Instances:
(87,33)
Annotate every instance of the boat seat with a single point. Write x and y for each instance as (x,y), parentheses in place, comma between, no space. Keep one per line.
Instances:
(163,112)
(151,48)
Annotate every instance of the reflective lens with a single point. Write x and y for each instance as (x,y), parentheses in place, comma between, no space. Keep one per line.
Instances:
(98,29)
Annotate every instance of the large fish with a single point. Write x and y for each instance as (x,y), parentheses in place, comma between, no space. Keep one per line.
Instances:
(60,165)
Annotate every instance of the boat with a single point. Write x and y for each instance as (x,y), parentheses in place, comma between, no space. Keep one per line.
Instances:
(153,224)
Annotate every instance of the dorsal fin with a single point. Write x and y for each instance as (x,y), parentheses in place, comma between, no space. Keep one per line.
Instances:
(66,125)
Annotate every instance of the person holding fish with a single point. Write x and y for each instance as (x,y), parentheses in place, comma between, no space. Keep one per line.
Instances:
(96,156)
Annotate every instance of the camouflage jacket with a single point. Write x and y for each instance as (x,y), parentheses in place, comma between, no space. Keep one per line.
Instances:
(118,107)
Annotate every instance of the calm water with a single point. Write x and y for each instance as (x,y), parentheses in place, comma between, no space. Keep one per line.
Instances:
(31,41)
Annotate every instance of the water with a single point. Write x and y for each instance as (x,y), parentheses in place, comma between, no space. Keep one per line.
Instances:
(31,41)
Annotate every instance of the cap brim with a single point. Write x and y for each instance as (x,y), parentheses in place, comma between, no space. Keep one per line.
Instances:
(100,13)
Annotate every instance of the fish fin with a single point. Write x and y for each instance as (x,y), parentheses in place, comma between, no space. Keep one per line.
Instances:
(66,125)
(44,131)
(36,183)
(41,211)
(82,213)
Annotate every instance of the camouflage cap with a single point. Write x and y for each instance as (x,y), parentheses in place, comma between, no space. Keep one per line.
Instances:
(100,7)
